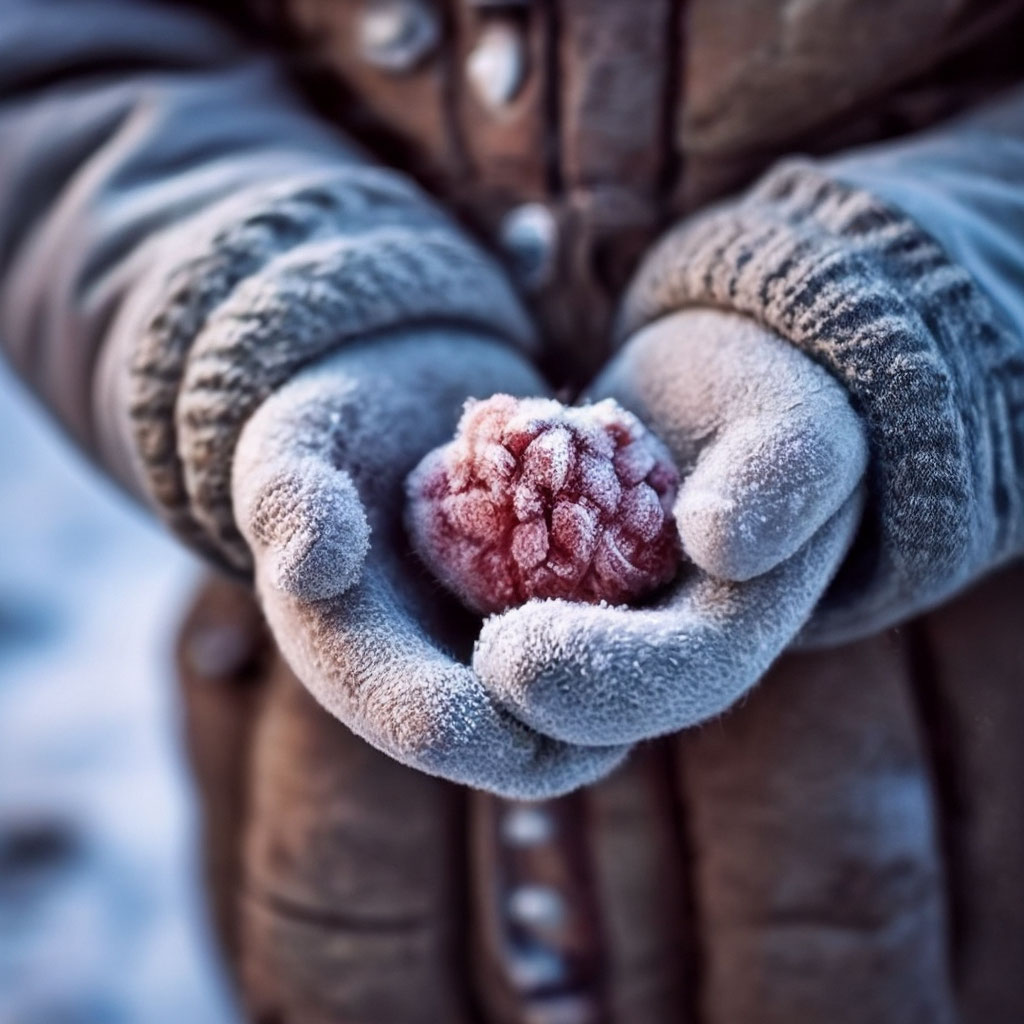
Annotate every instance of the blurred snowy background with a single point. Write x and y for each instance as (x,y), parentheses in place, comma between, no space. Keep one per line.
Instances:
(101,917)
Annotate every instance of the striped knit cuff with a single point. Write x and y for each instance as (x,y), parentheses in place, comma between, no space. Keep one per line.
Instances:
(863,291)
(271,281)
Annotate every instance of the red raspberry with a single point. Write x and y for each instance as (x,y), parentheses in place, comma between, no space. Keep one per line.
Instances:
(536,499)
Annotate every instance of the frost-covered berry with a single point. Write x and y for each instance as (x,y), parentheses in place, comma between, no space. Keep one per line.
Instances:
(536,499)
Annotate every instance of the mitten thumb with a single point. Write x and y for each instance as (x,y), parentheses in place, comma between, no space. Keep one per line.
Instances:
(299,511)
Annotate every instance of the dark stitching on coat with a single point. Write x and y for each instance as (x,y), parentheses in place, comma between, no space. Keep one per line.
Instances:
(694,963)
(939,741)
(552,99)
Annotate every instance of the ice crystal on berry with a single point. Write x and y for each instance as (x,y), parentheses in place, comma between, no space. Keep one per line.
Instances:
(536,499)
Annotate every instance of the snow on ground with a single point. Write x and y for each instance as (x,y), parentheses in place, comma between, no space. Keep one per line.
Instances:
(101,919)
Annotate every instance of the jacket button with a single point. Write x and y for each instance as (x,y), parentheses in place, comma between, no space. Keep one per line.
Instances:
(496,66)
(396,35)
(529,238)
(537,907)
(527,825)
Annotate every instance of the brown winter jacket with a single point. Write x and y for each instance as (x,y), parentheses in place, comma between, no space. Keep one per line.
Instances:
(620,118)
(844,846)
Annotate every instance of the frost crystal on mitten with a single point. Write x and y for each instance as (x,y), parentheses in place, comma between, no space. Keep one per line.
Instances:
(536,499)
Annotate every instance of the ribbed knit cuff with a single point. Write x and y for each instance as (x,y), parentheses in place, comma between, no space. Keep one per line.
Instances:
(938,379)
(267,282)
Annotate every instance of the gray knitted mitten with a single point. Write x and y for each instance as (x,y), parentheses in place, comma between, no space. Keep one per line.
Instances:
(932,365)
(254,288)
(318,487)
(771,454)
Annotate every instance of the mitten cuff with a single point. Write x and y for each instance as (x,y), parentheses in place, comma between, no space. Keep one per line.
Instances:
(274,279)
(938,379)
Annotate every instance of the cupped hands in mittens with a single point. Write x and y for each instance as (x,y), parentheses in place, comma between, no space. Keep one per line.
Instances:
(317,487)
(772,456)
